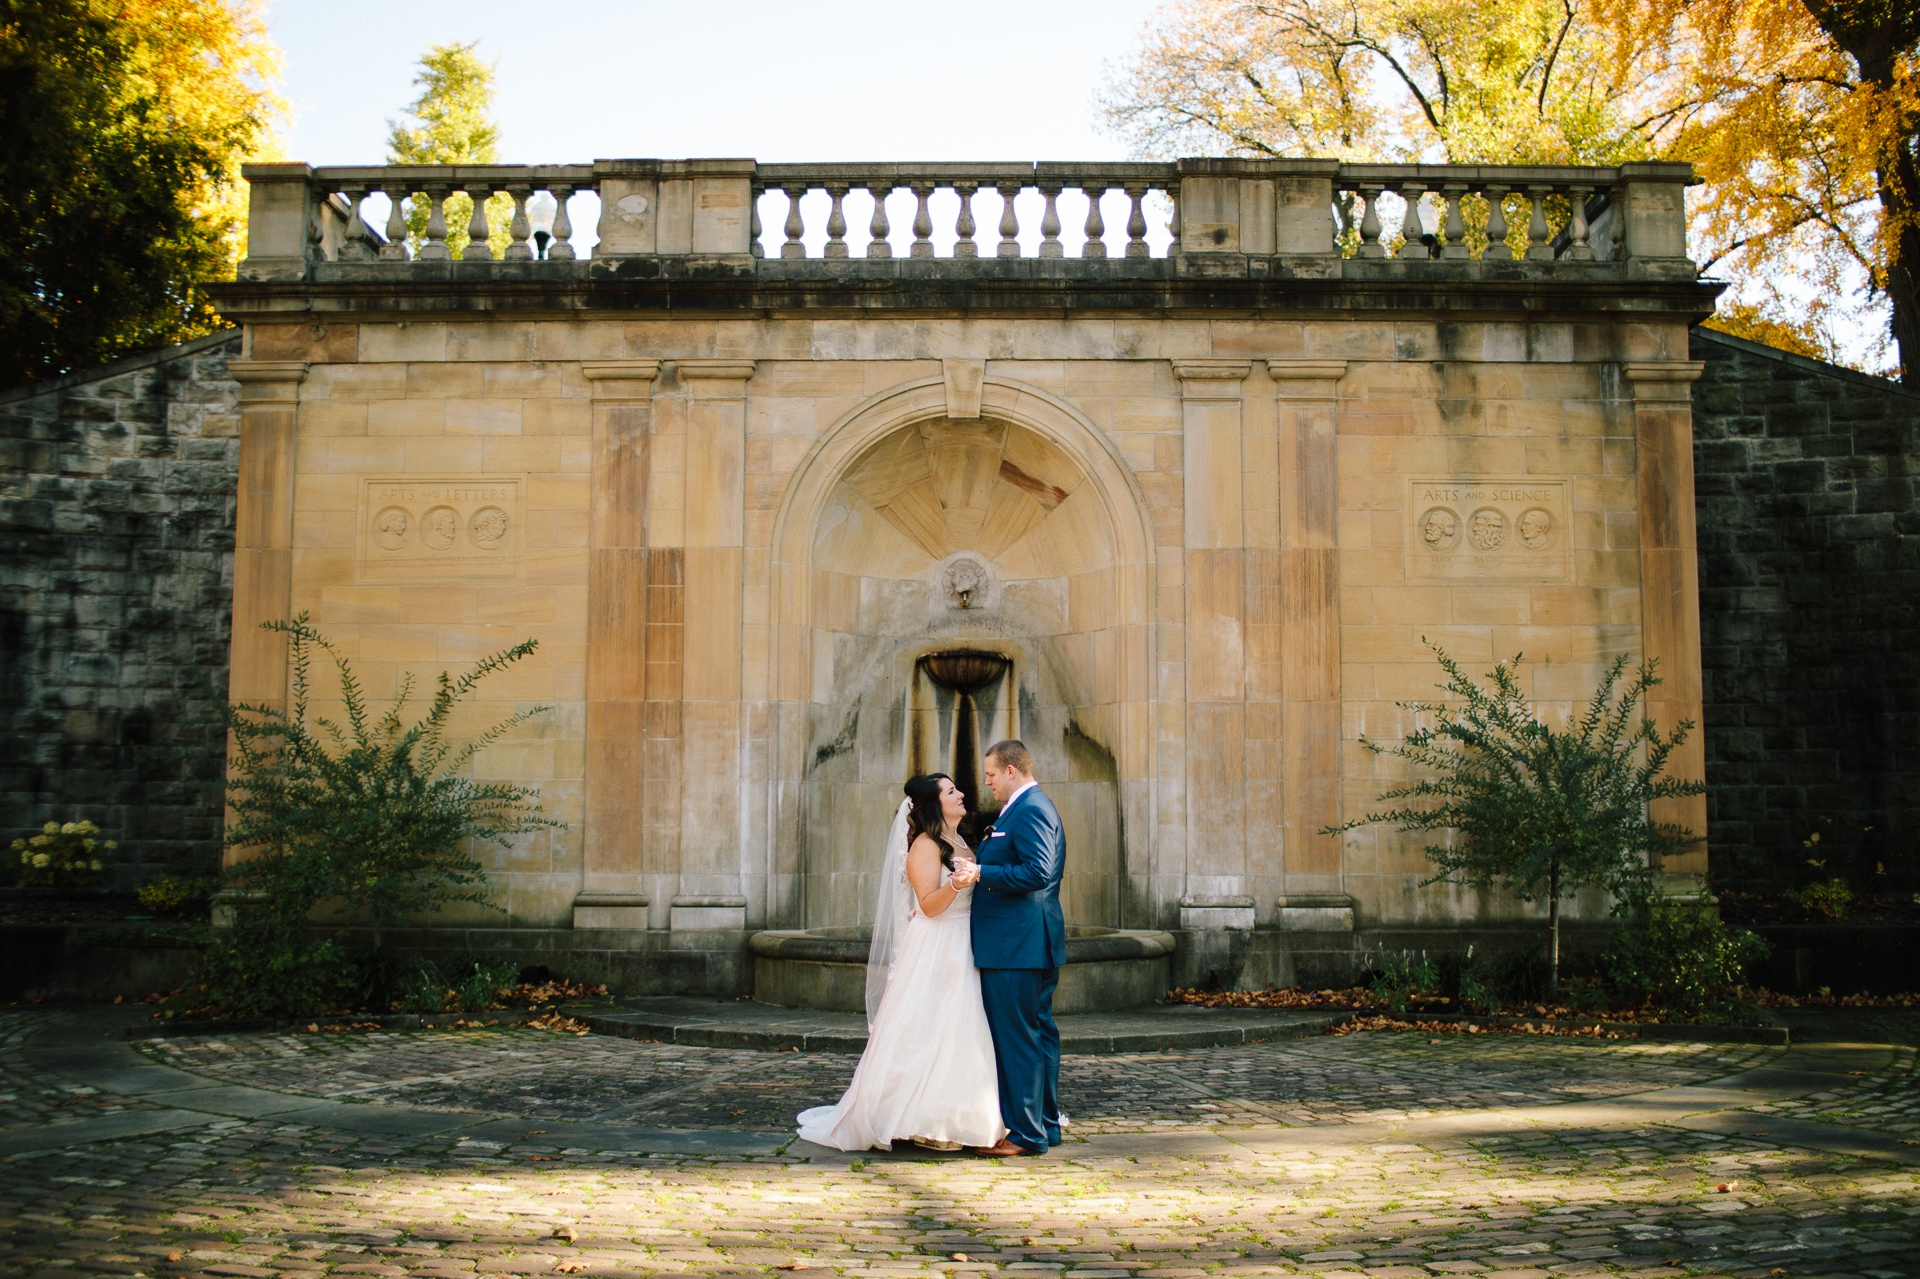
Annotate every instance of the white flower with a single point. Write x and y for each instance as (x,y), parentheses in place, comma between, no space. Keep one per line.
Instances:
(41,860)
(96,865)
(71,828)
(51,828)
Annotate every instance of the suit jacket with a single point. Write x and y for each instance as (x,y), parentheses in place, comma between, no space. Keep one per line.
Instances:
(1016,907)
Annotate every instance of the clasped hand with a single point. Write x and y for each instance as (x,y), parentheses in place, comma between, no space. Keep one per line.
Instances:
(965,872)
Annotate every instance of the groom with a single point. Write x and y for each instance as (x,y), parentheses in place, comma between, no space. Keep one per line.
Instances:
(1019,943)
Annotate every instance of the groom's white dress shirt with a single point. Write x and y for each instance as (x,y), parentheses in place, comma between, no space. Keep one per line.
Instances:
(1015,797)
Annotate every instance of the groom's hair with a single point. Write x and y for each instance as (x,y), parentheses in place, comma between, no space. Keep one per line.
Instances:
(1012,753)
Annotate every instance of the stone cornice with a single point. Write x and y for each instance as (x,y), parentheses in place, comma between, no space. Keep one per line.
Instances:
(1271,288)
(621,380)
(268,379)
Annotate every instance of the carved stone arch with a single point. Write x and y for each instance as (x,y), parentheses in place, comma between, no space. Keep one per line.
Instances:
(1100,679)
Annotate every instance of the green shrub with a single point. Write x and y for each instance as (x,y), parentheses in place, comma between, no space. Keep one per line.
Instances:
(371,812)
(1398,978)
(175,895)
(1538,810)
(478,981)
(1829,899)
(63,855)
(1683,961)
(253,970)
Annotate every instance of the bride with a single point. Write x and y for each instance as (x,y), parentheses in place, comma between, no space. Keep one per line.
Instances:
(927,1075)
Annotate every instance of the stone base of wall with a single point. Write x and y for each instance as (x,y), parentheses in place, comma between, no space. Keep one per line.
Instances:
(1255,959)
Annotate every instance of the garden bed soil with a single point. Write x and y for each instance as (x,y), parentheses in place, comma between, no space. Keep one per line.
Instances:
(1762,910)
(1569,1027)
(546,1018)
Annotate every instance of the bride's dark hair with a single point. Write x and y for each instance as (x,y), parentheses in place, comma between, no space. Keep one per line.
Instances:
(925,817)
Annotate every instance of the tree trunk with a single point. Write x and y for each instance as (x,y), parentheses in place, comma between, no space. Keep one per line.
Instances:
(1873,33)
(1553,933)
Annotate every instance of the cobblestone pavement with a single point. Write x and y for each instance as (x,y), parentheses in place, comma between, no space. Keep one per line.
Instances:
(1885,1100)
(30,1097)
(1354,1078)
(245,1197)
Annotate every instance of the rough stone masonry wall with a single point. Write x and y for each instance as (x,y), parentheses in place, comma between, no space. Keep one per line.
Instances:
(116,510)
(1810,617)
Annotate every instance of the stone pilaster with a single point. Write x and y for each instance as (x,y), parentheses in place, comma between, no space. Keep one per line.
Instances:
(263,526)
(1212,413)
(712,871)
(1309,607)
(1670,583)
(616,865)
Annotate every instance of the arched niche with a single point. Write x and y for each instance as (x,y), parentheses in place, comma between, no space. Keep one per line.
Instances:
(905,535)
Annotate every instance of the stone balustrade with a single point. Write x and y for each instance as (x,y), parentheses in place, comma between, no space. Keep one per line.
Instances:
(1308,218)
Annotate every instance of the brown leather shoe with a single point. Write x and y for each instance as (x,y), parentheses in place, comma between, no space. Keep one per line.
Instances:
(1005,1148)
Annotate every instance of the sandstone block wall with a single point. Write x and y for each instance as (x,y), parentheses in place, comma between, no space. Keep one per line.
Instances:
(1243,531)
(116,510)
(1810,603)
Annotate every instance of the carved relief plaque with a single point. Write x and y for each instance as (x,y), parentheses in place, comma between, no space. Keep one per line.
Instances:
(1516,530)
(422,528)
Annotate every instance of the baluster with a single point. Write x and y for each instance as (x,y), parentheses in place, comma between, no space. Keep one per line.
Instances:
(1096,246)
(837,223)
(435,249)
(878,227)
(754,229)
(395,249)
(561,250)
(795,227)
(1009,222)
(358,246)
(477,231)
(1456,227)
(1173,218)
(964,246)
(520,228)
(1578,250)
(1411,231)
(1050,225)
(922,222)
(1137,246)
(1539,244)
(1370,246)
(1497,247)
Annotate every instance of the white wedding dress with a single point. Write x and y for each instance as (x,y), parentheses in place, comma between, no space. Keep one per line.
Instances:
(928,1071)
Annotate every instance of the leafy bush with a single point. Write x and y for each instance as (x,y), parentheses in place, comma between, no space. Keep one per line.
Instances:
(1683,960)
(1829,899)
(371,812)
(478,982)
(255,970)
(63,855)
(175,895)
(1397,979)
(1540,811)
(1460,981)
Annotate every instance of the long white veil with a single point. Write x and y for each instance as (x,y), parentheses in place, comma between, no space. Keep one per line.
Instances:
(891,911)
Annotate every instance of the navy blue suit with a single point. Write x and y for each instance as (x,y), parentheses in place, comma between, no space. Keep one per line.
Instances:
(1019,943)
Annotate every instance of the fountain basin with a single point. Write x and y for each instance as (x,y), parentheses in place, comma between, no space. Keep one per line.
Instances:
(826,968)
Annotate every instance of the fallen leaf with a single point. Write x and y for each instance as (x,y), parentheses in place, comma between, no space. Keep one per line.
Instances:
(1673,1261)
(176,1256)
(795,1264)
(961,1256)
(1724,1187)
(539,1159)
(570,1267)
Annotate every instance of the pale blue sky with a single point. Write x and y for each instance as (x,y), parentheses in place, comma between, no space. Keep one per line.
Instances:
(829,80)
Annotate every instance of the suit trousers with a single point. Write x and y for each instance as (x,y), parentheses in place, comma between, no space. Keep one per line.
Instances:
(1026,1049)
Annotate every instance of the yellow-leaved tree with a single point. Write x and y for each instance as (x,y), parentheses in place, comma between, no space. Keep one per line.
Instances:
(453,124)
(1801,115)
(123,126)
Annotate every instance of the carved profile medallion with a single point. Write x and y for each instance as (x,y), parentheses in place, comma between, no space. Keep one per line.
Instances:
(440,529)
(1489,529)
